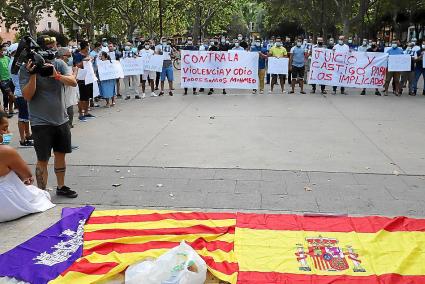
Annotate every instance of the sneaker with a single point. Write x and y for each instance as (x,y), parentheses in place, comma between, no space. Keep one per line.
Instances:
(89,116)
(324,92)
(291,92)
(334,93)
(254,92)
(127,98)
(185,94)
(170,93)
(161,94)
(377,93)
(312,91)
(283,92)
(344,93)
(66,191)
(224,92)
(137,97)
(270,91)
(26,144)
(143,95)
(261,92)
(363,93)
(29,138)
(153,94)
(96,105)
(201,90)
(82,118)
(156,88)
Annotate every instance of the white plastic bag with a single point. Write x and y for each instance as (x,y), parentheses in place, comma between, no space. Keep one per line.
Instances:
(180,265)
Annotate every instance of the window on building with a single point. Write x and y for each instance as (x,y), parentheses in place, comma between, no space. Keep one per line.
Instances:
(49,25)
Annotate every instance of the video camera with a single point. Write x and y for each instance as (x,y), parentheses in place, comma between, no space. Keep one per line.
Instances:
(29,49)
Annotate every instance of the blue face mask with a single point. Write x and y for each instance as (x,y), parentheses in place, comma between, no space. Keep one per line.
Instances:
(7,138)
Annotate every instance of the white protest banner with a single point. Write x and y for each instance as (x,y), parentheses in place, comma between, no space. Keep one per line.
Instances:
(349,69)
(132,66)
(152,62)
(109,70)
(219,69)
(398,63)
(278,65)
(90,76)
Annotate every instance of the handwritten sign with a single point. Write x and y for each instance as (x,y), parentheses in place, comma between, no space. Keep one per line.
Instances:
(399,63)
(348,69)
(109,70)
(90,76)
(152,62)
(132,66)
(278,65)
(219,69)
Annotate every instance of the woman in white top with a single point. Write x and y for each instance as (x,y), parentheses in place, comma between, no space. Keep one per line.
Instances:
(18,197)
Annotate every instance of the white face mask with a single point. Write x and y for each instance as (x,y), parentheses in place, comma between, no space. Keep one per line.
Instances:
(223,40)
(331,42)
(394,45)
(127,48)
(423,46)
(341,42)
(350,41)
(147,46)
(279,43)
(189,42)
(237,44)
(299,43)
(227,42)
(364,43)
(257,43)
(239,38)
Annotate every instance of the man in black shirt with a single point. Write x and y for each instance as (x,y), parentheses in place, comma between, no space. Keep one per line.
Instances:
(190,46)
(373,48)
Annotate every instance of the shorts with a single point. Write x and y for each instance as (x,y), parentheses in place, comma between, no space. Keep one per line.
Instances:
(281,76)
(22,105)
(298,73)
(86,91)
(48,137)
(148,75)
(392,75)
(167,72)
(6,86)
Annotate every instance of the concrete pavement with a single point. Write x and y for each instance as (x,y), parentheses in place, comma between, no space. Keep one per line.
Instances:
(358,155)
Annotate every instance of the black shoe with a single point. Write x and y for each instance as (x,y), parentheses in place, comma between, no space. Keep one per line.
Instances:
(209,93)
(89,116)
(119,96)
(201,90)
(195,93)
(30,138)
(363,93)
(377,93)
(66,191)
(224,92)
(137,97)
(26,144)
(170,93)
(161,94)
(127,98)
(423,93)
(185,94)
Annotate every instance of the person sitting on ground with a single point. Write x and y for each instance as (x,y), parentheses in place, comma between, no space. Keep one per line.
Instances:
(18,197)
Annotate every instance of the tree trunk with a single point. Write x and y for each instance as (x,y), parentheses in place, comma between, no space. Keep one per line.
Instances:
(32,27)
(197,23)
(346,28)
(130,30)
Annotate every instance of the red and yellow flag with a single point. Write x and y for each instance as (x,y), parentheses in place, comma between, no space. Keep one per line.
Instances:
(273,249)
(115,239)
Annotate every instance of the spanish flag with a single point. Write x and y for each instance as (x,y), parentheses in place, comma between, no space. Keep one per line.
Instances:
(115,239)
(273,249)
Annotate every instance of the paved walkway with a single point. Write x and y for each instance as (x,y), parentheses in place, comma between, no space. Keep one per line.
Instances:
(306,154)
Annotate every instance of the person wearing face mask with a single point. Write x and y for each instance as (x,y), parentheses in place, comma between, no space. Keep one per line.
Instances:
(352,45)
(278,51)
(70,92)
(114,54)
(270,44)
(297,66)
(242,42)
(408,77)
(340,47)
(287,44)
(131,82)
(190,46)
(104,45)
(416,45)
(364,47)
(395,76)
(166,50)
(262,52)
(147,75)
(214,47)
(224,44)
(49,120)
(6,85)
(373,48)
(419,68)
(23,116)
(313,86)
(18,195)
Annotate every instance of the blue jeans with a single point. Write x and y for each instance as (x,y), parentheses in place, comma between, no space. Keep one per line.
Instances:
(167,72)
(418,73)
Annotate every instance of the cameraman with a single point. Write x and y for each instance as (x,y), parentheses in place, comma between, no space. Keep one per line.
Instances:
(49,120)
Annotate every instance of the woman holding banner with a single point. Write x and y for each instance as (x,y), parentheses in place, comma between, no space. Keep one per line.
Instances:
(107,87)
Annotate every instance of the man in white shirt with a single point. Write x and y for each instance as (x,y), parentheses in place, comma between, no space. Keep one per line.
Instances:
(131,82)
(165,48)
(364,47)
(340,47)
(147,51)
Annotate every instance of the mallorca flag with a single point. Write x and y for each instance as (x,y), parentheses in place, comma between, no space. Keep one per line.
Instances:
(115,239)
(273,249)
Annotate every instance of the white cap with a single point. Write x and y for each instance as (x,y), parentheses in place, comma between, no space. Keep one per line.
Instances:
(13,47)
